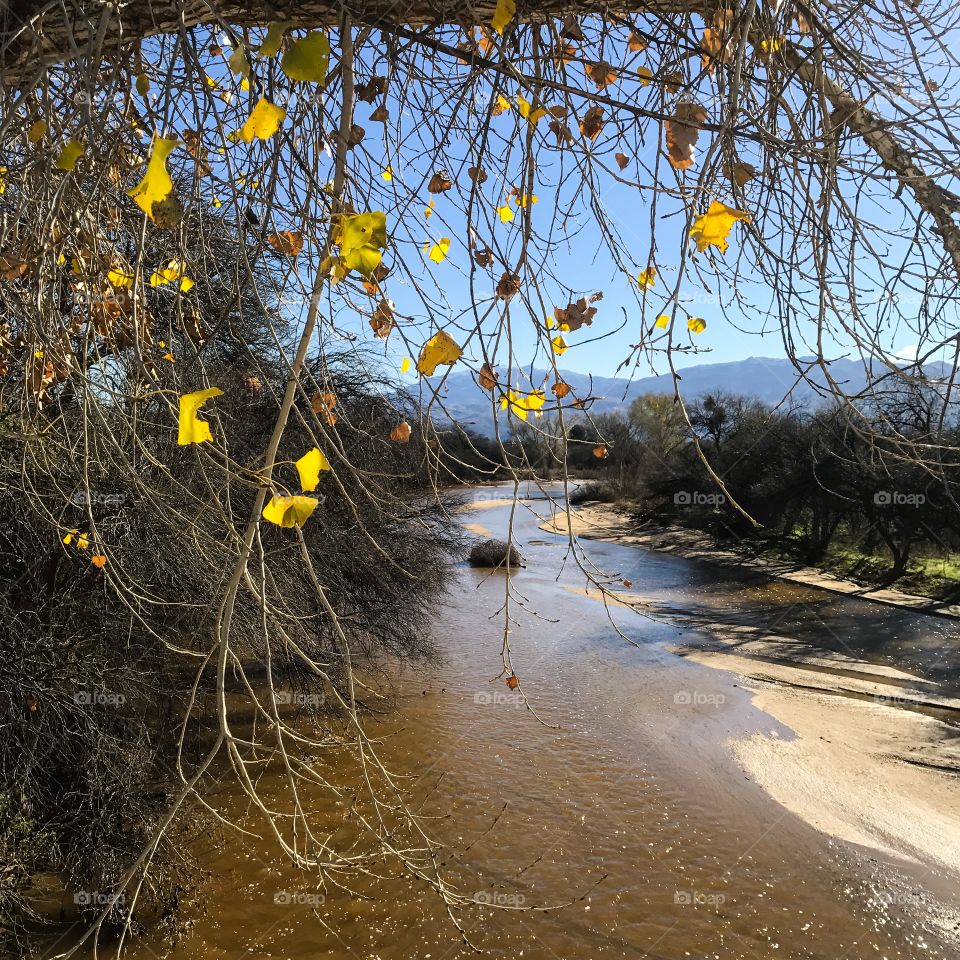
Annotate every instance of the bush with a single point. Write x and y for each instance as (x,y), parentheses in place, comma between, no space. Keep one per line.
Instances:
(495,553)
(592,491)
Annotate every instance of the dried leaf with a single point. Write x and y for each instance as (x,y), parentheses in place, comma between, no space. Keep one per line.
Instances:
(622,160)
(741,172)
(382,320)
(682,131)
(380,115)
(592,123)
(373,88)
(574,315)
(600,452)
(287,242)
(487,378)
(401,432)
(560,389)
(571,29)
(440,182)
(636,43)
(477,174)
(513,681)
(484,257)
(601,73)
(508,286)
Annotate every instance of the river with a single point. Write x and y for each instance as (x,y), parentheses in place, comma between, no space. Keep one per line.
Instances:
(620,796)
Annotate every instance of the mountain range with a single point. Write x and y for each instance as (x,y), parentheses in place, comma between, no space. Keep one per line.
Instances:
(767,379)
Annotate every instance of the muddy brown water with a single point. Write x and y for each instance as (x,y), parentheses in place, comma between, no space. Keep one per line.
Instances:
(626,800)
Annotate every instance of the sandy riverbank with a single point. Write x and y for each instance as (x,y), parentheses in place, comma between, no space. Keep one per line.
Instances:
(873,758)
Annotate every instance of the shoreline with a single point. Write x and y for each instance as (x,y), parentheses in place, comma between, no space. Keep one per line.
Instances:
(603,521)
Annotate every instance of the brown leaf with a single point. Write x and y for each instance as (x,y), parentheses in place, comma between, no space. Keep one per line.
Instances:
(562,53)
(381,114)
(287,242)
(741,172)
(673,81)
(168,213)
(373,88)
(381,320)
(487,378)
(477,174)
(571,29)
(574,315)
(601,73)
(600,453)
(440,182)
(636,43)
(357,133)
(401,432)
(193,326)
(322,405)
(560,389)
(682,131)
(562,132)
(484,257)
(592,123)
(12,266)
(513,681)
(508,286)
(372,283)
(622,160)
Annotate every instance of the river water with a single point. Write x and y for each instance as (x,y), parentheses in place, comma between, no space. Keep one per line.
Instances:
(623,800)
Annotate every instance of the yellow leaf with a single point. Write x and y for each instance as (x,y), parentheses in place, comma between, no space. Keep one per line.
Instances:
(37,131)
(83,541)
(438,252)
(506,214)
(263,122)
(308,59)
(505,11)
(173,272)
(192,428)
(501,106)
(120,278)
(428,210)
(663,321)
(388,173)
(646,75)
(274,37)
(559,345)
(525,198)
(440,348)
(647,278)
(289,511)
(156,184)
(143,84)
(363,237)
(69,155)
(696,325)
(527,112)
(68,539)
(713,227)
(309,467)
(405,365)
(520,405)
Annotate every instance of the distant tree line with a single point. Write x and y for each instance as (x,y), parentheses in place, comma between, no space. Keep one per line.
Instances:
(814,481)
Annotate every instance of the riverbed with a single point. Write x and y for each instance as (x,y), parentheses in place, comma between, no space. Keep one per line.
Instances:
(644,792)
